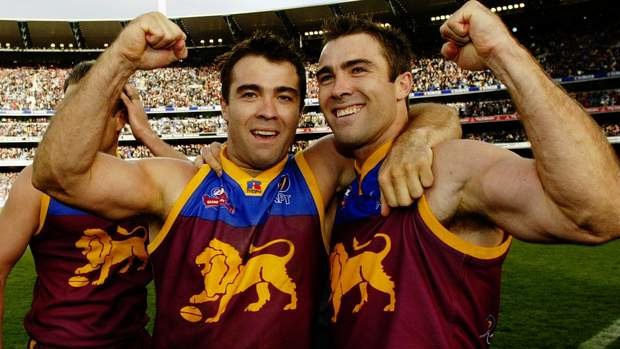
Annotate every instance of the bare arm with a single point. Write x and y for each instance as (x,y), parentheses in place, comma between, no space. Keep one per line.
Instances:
(19,219)
(68,165)
(489,184)
(575,176)
(141,129)
(407,168)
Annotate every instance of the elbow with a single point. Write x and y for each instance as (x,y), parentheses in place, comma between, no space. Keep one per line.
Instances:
(45,177)
(599,227)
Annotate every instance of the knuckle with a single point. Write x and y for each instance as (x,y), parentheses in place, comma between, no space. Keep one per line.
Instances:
(383,178)
(396,173)
(410,167)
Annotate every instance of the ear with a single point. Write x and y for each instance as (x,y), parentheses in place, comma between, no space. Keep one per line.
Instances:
(120,119)
(403,84)
(225,109)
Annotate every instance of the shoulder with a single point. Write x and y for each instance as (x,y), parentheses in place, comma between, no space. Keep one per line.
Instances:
(465,158)
(169,176)
(458,166)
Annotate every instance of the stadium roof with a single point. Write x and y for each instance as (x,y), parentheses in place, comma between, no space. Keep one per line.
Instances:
(409,15)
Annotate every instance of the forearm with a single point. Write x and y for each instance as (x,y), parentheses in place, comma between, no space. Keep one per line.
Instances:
(75,134)
(574,161)
(160,148)
(433,123)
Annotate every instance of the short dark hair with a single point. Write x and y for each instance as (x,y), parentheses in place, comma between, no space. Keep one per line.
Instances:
(78,72)
(396,47)
(262,44)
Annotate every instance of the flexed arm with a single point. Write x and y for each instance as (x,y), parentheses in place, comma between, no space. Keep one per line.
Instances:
(68,165)
(572,189)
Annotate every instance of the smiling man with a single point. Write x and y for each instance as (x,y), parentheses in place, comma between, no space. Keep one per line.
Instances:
(428,275)
(239,259)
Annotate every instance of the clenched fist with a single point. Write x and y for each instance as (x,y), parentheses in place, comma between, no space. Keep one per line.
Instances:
(474,35)
(150,41)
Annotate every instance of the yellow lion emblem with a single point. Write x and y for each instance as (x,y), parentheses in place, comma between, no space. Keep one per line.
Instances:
(225,276)
(103,252)
(360,270)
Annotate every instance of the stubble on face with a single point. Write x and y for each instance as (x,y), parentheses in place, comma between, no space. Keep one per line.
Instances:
(355,93)
(262,112)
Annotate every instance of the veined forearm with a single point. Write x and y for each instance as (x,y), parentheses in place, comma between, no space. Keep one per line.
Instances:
(574,161)
(76,131)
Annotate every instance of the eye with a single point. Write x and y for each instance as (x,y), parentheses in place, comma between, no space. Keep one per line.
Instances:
(324,78)
(248,94)
(285,98)
(358,70)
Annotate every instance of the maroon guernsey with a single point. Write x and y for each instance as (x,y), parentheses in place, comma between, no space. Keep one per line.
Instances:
(405,281)
(239,260)
(91,280)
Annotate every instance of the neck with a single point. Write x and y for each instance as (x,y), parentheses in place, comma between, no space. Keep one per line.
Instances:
(111,150)
(252,171)
(394,129)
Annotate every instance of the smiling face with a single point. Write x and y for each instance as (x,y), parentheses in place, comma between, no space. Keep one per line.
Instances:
(262,112)
(361,105)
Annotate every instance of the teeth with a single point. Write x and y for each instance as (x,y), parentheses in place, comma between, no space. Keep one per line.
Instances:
(264,133)
(348,110)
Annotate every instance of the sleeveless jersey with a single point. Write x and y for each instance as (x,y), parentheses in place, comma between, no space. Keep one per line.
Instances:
(91,282)
(239,260)
(405,281)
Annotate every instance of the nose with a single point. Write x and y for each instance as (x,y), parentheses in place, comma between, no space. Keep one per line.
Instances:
(342,86)
(267,109)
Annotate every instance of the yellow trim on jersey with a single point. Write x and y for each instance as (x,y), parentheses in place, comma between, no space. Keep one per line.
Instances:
(242,178)
(178,205)
(313,185)
(456,242)
(44,206)
(372,161)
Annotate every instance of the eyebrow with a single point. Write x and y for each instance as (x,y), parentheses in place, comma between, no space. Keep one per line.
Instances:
(288,89)
(252,87)
(347,64)
(255,87)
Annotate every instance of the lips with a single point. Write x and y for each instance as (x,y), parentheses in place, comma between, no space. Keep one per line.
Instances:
(347,111)
(264,133)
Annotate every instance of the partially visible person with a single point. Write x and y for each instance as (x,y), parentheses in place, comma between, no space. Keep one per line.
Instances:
(428,275)
(91,272)
(239,254)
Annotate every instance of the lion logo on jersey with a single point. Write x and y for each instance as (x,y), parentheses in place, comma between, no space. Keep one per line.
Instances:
(225,276)
(103,252)
(361,270)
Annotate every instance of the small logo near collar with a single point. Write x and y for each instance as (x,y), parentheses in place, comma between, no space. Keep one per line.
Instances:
(218,198)
(254,186)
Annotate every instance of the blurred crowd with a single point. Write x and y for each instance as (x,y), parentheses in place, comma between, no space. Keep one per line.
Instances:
(568,54)
(573,50)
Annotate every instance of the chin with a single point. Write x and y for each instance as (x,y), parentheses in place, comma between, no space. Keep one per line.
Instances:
(266,162)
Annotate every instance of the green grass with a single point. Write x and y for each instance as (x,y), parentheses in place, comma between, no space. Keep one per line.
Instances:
(552,296)
(558,296)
